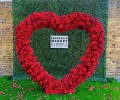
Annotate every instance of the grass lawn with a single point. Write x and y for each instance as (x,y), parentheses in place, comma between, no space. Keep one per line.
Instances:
(27,90)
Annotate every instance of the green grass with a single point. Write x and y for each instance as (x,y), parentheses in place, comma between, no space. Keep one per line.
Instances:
(27,90)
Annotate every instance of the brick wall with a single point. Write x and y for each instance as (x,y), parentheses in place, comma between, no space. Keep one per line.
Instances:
(6,55)
(113,46)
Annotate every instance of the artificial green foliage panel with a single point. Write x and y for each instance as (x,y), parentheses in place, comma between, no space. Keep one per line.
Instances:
(58,62)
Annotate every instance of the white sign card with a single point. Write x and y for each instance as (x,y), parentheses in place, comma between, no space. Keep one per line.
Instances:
(57,41)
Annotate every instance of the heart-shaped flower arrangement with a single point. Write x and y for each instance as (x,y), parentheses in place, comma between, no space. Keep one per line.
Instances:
(60,24)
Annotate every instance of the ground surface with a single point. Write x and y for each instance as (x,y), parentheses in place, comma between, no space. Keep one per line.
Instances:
(27,90)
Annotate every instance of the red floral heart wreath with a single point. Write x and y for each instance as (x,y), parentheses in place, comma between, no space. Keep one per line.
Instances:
(59,24)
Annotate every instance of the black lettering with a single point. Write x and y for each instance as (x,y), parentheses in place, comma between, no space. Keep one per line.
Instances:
(66,40)
(60,40)
(52,40)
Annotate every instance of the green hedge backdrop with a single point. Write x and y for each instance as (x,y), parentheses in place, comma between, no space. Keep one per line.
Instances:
(59,61)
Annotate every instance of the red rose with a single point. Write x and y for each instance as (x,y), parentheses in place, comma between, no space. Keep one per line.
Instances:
(29,71)
(93,59)
(79,66)
(84,69)
(82,80)
(89,64)
(71,91)
(83,58)
(80,72)
(47,91)
(78,80)
(89,74)
(74,71)
(92,70)
(60,26)
(88,50)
